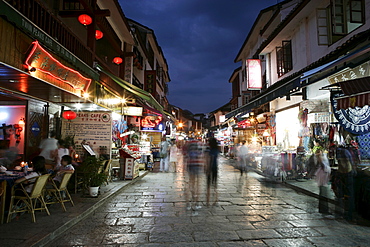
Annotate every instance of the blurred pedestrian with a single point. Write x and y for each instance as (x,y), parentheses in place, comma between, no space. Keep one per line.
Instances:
(173,157)
(49,150)
(212,168)
(164,153)
(346,172)
(322,177)
(194,157)
(242,155)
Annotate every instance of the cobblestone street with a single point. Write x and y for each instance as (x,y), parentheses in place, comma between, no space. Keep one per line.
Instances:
(250,212)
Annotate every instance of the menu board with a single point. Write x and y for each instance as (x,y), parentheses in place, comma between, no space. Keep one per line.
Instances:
(91,128)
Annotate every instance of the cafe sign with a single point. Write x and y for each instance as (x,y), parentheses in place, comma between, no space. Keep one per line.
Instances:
(40,60)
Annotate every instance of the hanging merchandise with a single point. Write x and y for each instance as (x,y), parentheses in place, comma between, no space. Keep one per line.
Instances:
(354,120)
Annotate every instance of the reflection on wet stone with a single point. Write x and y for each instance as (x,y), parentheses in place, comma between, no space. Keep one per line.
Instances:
(250,212)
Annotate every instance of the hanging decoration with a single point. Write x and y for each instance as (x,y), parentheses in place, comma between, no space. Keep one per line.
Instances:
(85,19)
(117,60)
(98,34)
(69,115)
(354,120)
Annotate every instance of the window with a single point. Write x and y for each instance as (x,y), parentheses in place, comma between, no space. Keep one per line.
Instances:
(284,58)
(339,19)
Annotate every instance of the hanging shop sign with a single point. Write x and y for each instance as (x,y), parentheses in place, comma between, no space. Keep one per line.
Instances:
(133,111)
(151,123)
(354,120)
(150,81)
(254,74)
(351,74)
(40,60)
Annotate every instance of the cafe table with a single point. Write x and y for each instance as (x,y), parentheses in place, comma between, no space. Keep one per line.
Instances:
(6,182)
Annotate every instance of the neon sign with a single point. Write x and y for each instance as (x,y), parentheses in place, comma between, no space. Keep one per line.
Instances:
(151,123)
(41,60)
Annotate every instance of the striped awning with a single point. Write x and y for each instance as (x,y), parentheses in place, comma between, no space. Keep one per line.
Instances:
(358,85)
(352,101)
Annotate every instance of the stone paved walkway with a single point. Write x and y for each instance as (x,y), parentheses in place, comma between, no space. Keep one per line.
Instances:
(250,212)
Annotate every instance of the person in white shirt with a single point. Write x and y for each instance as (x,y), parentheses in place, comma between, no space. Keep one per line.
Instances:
(66,167)
(242,157)
(62,150)
(49,149)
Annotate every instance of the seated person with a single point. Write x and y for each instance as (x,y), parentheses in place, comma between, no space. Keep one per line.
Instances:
(66,166)
(38,164)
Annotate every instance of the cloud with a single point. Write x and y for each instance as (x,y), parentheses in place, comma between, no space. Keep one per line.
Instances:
(200,40)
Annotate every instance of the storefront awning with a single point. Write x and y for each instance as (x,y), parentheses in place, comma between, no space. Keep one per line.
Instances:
(352,101)
(355,86)
(273,92)
(351,59)
(134,90)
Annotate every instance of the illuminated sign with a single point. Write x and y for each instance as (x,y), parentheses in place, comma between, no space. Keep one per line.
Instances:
(40,60)
(133,111)
(245,124)
(254,74)
(151,123)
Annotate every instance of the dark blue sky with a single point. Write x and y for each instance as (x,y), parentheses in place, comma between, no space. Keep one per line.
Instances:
(200,40)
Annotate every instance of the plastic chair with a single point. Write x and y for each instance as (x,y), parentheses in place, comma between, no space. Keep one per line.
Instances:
(60,193)
(107,170)
(28,202)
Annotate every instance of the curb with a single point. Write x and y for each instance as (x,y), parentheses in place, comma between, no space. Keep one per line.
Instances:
(59,231)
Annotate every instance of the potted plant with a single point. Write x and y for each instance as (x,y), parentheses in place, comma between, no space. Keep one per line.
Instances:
(93,175)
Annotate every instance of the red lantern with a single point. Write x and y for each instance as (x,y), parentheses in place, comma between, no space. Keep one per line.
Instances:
(85,19)
(98,34)
(69,115)
(117,60)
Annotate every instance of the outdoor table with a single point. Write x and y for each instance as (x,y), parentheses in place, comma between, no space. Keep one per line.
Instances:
(7,181)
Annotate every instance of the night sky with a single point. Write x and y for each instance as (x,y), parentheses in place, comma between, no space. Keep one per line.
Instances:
(200,40)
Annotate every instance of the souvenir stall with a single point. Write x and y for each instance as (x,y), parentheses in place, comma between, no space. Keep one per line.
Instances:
(351,135)
(225,139)
(287,139)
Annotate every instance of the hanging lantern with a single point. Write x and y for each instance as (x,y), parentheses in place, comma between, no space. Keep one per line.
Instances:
(98,34)
(117,60)
(85,19)
(69,115)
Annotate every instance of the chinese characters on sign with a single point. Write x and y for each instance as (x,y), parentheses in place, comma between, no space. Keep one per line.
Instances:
(92,128)
(41,60)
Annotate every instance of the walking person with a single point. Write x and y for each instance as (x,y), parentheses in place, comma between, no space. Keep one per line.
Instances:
(346,173)
(322,177)
(164,153)
(212,169)
(194,158)
(49,150)
(242,156)
(173,157)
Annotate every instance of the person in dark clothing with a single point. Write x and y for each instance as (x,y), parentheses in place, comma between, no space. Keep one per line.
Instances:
(346,172)
(212,168)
